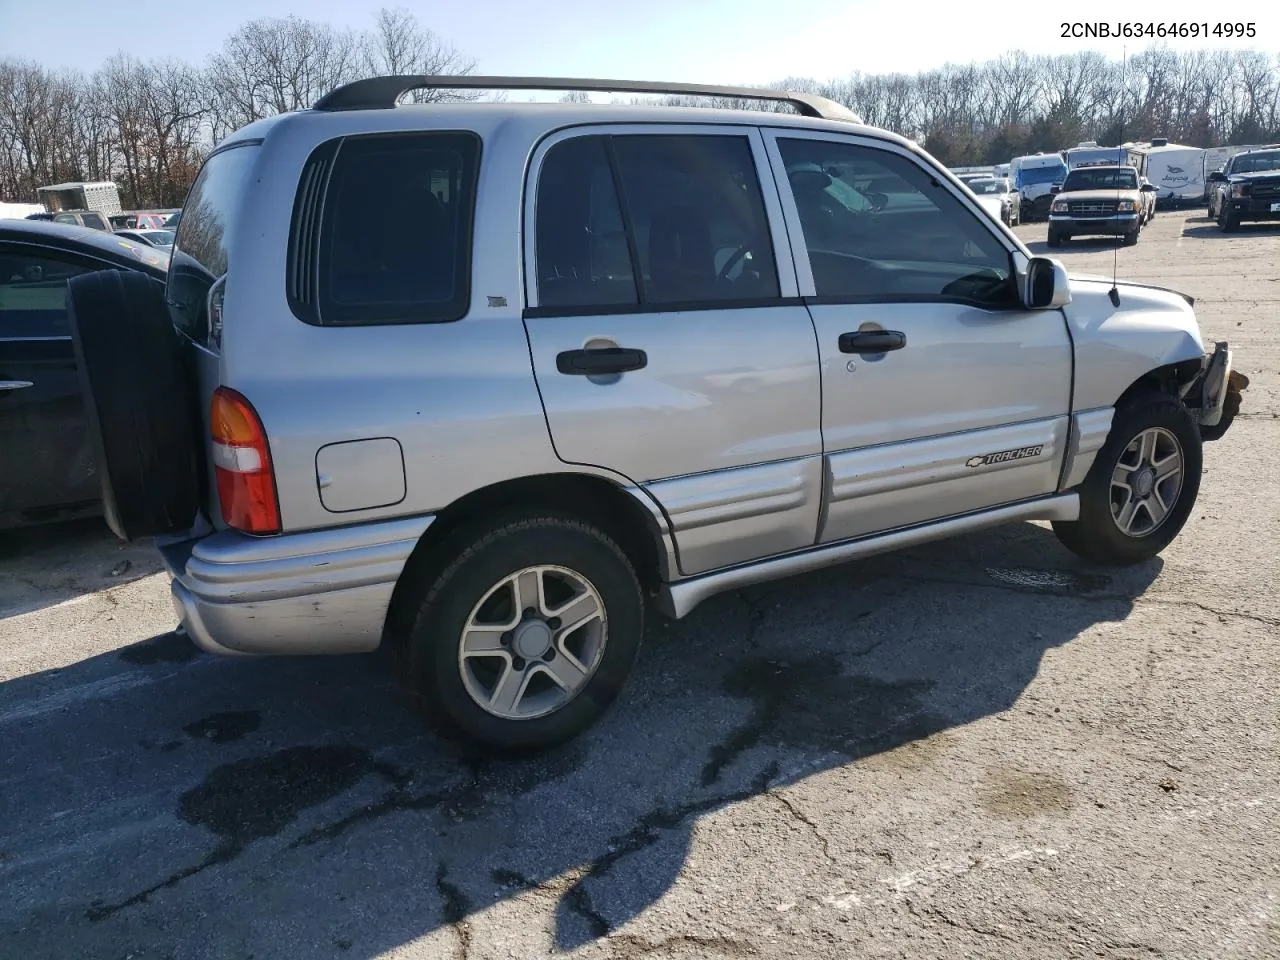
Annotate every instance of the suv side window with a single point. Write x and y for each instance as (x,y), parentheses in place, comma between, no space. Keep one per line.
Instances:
(583,257)
(690,224)
(395,234)
(880,228)
(33,294)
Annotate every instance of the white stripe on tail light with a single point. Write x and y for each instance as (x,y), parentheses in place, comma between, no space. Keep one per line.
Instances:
(242,465)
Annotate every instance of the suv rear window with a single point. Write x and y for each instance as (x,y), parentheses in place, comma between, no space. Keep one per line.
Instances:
(394,238)
(202,247)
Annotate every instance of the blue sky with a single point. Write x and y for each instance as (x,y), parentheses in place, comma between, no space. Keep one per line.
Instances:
(710,41)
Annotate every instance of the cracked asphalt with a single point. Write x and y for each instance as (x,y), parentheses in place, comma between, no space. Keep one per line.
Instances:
(981,748)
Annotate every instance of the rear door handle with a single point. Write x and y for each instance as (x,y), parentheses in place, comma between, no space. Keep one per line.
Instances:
(872,341)
(589,363)
(15,384)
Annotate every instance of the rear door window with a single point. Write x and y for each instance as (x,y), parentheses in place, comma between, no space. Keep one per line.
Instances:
(652,221)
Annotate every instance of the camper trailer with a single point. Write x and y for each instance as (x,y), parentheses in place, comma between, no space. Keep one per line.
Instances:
(1177,172)
(1034,176)
(1089,154)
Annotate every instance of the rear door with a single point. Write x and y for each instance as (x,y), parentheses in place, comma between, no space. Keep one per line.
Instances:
(942,394)
(667,339)
(46,454)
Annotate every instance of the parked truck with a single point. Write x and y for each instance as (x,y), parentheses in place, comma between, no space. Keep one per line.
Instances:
(1034,176)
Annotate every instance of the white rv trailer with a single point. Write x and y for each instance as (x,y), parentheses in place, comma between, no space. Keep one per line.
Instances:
(1089,154)
(1177,172)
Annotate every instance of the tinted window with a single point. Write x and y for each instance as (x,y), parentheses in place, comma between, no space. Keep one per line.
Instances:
(33,294)
(907,237)
(202,247)
(697,218)
(94,221)
(1101,178)
(691,223)
(583,258)
(395,239)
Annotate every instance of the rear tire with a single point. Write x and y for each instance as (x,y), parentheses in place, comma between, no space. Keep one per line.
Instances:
(137,403)
(1118,488)
(470,643)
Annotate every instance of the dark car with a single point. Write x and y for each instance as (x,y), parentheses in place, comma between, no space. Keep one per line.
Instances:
(1248,188)
(48,470)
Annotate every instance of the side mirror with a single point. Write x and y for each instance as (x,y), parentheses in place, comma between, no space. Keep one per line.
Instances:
(1046,284)
(1217,177)
(1055,189)
(1148,188)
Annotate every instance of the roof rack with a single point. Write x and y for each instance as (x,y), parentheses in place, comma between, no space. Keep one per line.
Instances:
(382,93)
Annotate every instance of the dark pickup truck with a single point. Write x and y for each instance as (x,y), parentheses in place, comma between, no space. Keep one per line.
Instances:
(1247,188)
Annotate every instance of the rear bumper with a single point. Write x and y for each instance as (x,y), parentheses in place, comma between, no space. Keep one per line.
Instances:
(1065,225)
(324,591)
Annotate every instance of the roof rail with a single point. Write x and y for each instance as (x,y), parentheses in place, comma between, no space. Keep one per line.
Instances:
(382,93)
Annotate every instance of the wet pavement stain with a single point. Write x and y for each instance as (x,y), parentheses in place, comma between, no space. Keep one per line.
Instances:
(1018,795)
(811,704)
(257,797)
(487,780)
(170,647)
(225,727)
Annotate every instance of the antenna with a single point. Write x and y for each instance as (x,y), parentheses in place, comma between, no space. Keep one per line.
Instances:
(1114,292)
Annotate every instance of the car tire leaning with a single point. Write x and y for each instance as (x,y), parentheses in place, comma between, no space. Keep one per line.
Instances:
(138,403)
(1125,472)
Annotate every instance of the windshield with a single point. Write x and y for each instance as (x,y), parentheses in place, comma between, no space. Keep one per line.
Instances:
(1256,162)
(1051,174)
(1101,178)
(982,187)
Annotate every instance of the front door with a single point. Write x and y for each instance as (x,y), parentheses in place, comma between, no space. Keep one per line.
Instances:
(667,339)
(942,394)
(46,456)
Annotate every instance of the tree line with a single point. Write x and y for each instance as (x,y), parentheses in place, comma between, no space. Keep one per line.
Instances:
(147,124)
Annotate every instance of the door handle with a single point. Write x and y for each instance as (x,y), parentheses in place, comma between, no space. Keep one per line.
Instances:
(872,341)
(15,384)
(590,363)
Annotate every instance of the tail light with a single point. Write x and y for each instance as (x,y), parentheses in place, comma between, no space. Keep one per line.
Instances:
(242,465)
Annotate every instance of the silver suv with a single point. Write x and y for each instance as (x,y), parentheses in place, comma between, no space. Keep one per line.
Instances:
(481,382)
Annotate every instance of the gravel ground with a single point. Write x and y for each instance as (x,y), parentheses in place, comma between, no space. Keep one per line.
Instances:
(981,748)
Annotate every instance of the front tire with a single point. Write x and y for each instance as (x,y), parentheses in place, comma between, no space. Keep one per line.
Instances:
(1053,239)
(1142,487)
(527,637)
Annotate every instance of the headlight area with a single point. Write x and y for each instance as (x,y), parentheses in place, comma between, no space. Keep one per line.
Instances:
(1126,206)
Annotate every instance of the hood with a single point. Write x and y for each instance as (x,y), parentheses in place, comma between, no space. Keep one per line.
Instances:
(993,204)
(1129,284)
(1108,194)
(1256,175)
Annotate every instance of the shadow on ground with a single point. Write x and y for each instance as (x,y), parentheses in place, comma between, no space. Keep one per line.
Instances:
(44,565)
(1209,230)
(158,802)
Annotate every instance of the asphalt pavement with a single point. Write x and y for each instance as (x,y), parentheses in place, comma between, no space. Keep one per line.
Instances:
(981,748)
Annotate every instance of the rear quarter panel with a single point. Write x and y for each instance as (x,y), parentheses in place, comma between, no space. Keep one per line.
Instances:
(459,397)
